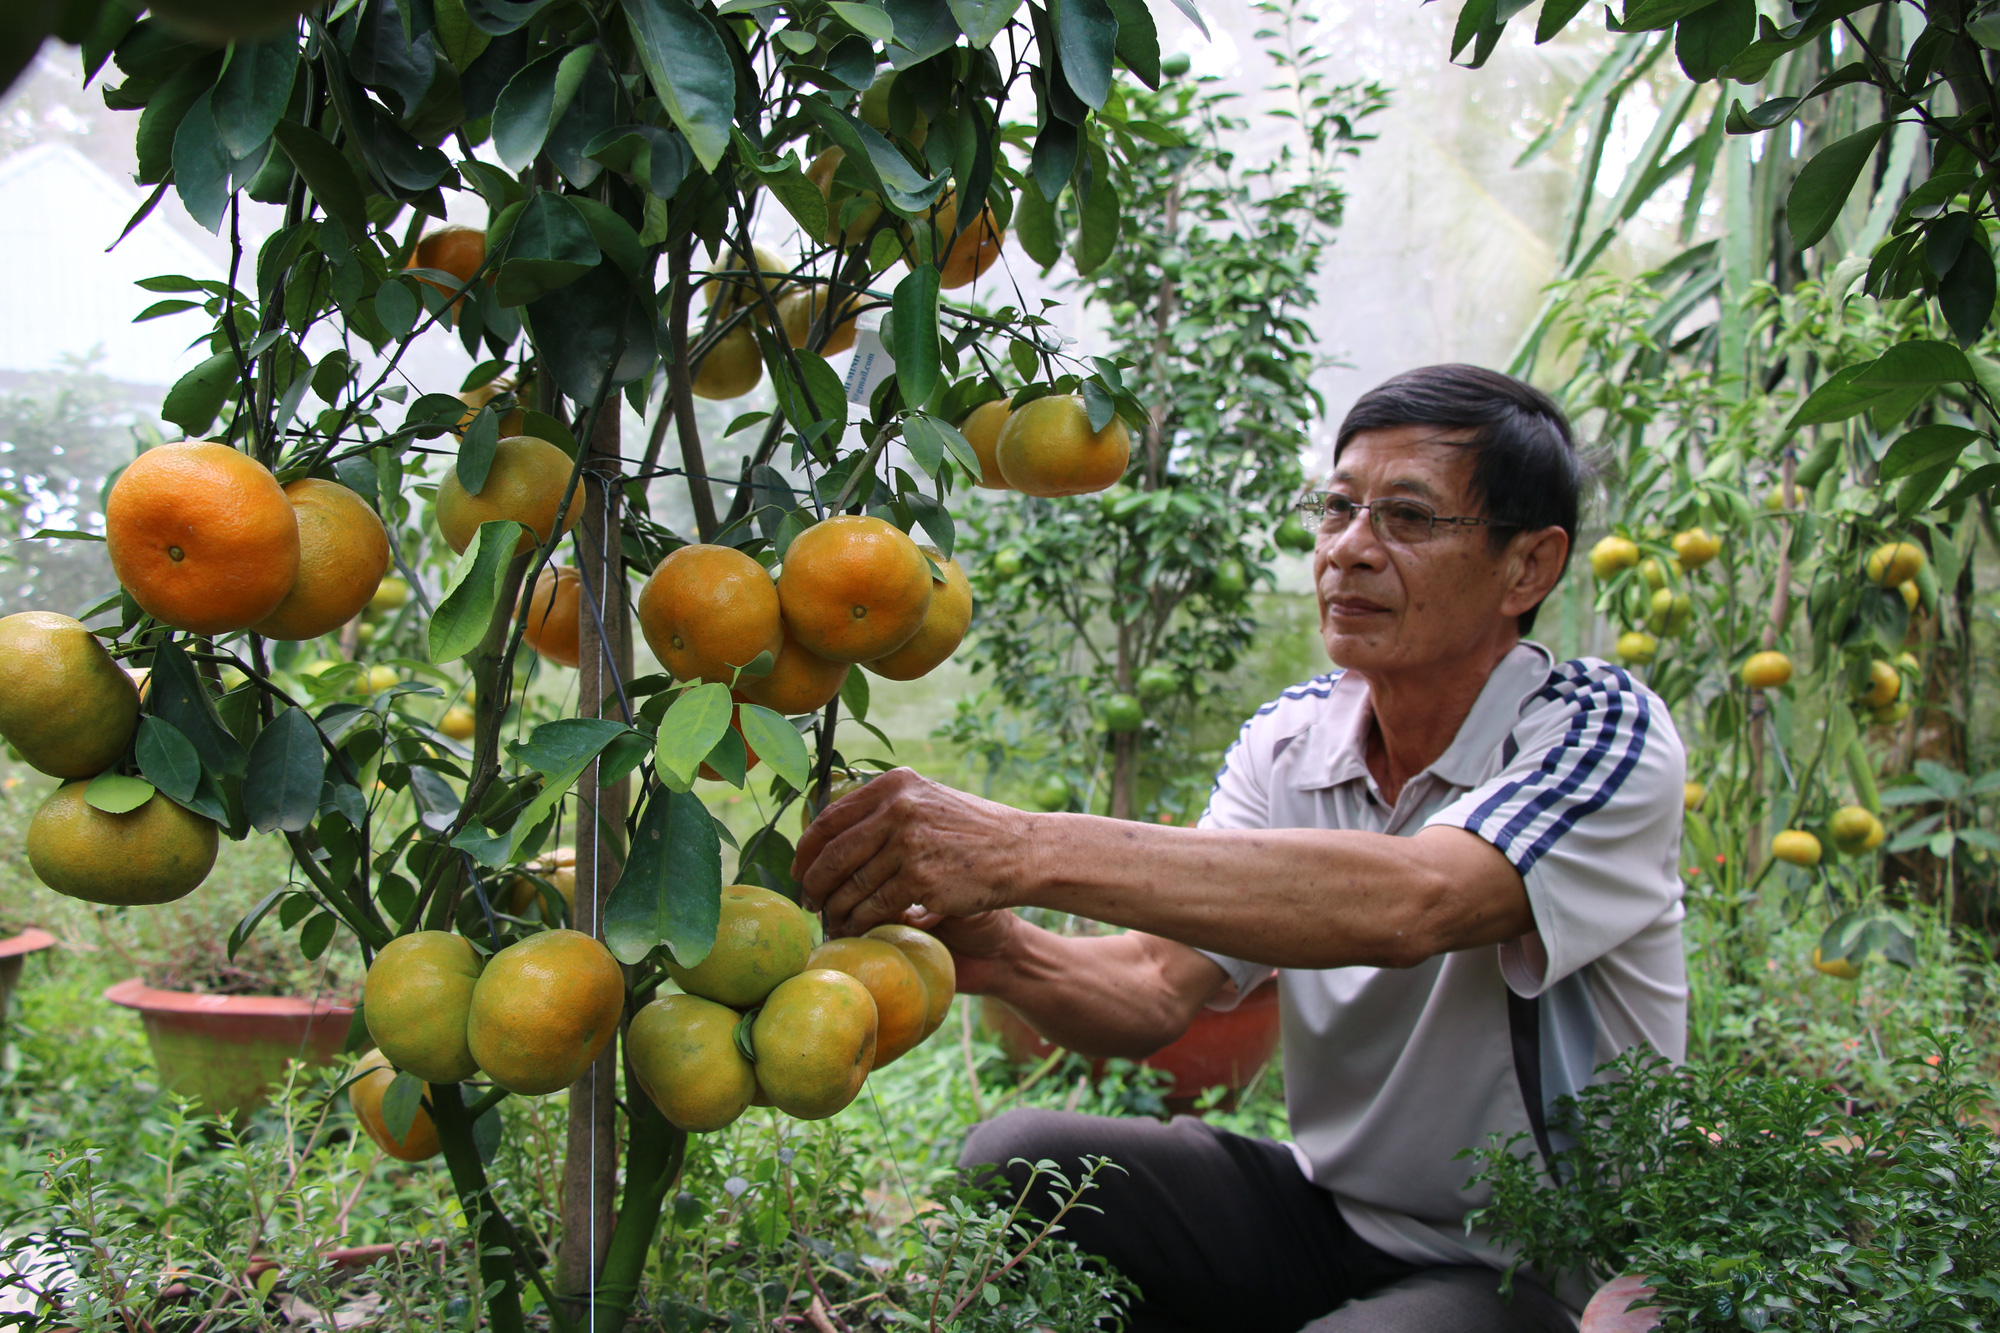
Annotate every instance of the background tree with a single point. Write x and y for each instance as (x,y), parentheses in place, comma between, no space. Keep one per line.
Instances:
(1113,615)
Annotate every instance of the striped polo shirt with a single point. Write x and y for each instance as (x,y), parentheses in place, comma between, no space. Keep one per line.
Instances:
(1573,771)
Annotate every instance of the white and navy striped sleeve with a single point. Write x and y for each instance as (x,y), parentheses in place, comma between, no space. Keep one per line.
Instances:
(1587,806)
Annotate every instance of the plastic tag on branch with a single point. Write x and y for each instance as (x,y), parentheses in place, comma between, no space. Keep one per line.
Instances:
(870,364)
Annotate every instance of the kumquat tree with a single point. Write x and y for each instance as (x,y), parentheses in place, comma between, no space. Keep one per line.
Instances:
(632,157)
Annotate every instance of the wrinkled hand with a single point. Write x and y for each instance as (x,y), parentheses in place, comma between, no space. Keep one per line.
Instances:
(906,848)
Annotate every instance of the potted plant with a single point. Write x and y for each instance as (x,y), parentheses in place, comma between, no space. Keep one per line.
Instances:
(222,1027)
(13,950)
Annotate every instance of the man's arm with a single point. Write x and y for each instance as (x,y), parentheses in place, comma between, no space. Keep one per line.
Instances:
(1309,898)
(1106,995)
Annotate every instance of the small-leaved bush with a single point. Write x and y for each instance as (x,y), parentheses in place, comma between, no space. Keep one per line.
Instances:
(1758,1202)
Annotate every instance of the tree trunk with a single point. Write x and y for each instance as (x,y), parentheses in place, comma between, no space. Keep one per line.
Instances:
(1124,772)
(590,1166)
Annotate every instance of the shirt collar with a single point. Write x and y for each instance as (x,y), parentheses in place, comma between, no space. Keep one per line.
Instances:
(1340,732)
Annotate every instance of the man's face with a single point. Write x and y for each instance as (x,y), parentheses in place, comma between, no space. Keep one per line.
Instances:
(1391,608)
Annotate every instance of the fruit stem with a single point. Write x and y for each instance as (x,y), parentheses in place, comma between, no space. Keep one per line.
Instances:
(495,1238)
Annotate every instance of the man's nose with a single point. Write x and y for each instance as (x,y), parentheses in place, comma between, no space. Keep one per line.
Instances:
(1354,545)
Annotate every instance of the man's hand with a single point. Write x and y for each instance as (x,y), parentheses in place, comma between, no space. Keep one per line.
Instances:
(904,842)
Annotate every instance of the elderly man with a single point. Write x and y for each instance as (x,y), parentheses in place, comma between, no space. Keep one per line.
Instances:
(1458,855)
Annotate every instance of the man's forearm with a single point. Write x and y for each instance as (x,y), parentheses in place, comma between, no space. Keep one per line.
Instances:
(1105,995)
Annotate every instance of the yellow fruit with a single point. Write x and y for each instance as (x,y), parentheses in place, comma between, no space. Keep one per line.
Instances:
(707,611)
(1696,547)
(945,623)
(762,939)
(1047,448)
(683,1051)
(729,286)
(820,173)
(798,309)
(1894,562)
(1767,670)
(416,1000)
(64,704)
(343,554)
(874,111)
(512,422)
(1913,596)
(815,1042)
(981,429)
(382,678)
(854,588)
(1635,647)
(902,1001)
(1884,684)
(1796,846)
(525,484)
(390,595)
(1855,830)
(1613,556)
(1654,573)
(458,723)
(1836,967)
(543,1010)
(154,854)
(524,895)
(1692,795)
(1894,712)
(731,367)
(933,963)
(1671,612)
(364,1095)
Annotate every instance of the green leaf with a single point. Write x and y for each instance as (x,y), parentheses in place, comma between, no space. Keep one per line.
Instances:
(1979,479)
(550,246)
(1138,40)
(116,794)
(777,742)
(787,182)
(690,69)
(1555,16)
(252,92)
(326,173)
(475,455)
(525,110)
(176,693)
(473,593)
(870,22)
(671,890)
(1707,39)
(396,308)
(914,307)
(1926,447)
(1087,35)
(982,20)
(1824,183)
(197,396)
(1918,361)
(1645,15)
(168,759)
(560,751)
(400,1102)
(691,728)
(287,768)
(1965,294)
(854,695)
(1035,227)
(317,934)
(1097,237)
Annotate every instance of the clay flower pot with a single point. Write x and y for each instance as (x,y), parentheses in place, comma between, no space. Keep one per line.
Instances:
(1606,1312)
(225,1051)
(1219,1049)
(13,950)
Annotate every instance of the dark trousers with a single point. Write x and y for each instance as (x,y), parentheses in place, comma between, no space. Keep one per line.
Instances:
(1222,1233)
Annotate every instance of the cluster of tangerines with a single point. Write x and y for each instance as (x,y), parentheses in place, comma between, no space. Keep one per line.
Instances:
(765,1019)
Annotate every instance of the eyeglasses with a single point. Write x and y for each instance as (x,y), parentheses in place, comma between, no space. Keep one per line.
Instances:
(1403,522)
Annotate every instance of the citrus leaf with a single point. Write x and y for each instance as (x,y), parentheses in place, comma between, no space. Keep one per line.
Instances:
(689,67)
(400,1101)
(198,395)
(177,694)
(326,172)
(474,591)
(671,890)
(250,96)
(287,769)
(691,728)
(777,743)
(914,305)
(745,1027)
(1823,184)
(116,794)
(1926,447)
(168,759)
(475,455)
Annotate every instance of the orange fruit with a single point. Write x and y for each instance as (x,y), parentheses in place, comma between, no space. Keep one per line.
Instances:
(707,610)
(1048,448)
(944,626)
(683,1051)
(543,1010)
(554,624)
(854,588)
(154,854)
(64,704)
(1766,670)
(202,536)
(512,422)
(729,285)
(815,1043)
(820,173)
(762,939)
(902,1001)
(933,963)
(458,722)
(524,896)
(797,310)
(343,554)
(730,368)
(525,484)
(364,1095)
(981,429)
(800,682)
(972,253)
(415,1002)
(453,249)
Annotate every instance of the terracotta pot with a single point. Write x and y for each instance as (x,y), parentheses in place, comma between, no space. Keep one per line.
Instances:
(1606,1312)
(226,1051)
(13,951)
(1219,1049)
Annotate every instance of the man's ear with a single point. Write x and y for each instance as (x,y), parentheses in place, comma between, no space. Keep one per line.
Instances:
(1535,562)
